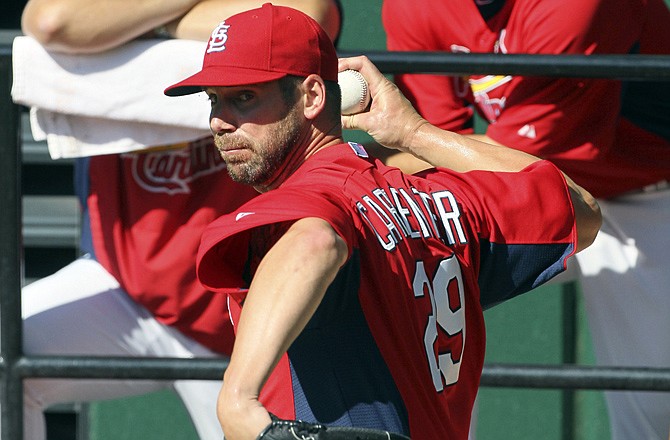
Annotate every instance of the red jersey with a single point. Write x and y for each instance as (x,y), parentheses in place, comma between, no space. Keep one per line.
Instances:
(610,137)
(147,212)
(398,341)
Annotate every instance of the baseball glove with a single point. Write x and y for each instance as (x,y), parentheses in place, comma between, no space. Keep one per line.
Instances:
(280,429)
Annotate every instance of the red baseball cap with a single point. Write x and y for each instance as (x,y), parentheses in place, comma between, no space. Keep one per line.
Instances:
(262,45)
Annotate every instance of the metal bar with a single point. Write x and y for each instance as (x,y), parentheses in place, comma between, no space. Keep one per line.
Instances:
(121,367)
(11,395)
(630,67)
(569,356)
(576,377)
(494,375)
(623,66)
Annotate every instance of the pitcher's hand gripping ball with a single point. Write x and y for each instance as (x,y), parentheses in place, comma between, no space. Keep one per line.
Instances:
(355,93)
(298,430)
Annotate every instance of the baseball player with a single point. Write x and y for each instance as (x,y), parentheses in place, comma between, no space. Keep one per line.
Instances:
(611,137)
(354,288)
(135,293)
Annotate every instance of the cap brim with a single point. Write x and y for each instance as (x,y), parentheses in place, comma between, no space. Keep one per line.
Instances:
(220,76)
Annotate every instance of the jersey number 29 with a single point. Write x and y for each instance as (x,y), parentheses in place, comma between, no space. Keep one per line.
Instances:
(444,337)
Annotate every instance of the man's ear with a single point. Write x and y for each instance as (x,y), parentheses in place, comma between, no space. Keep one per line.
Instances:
(314,96)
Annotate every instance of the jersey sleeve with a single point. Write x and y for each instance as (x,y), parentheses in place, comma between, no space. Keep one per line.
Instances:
(223,262)
(525,224)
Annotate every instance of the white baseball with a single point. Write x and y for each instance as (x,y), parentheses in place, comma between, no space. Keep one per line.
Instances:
(355,93)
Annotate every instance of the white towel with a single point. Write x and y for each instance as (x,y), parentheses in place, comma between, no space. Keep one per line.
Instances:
(70,136)
(110,102)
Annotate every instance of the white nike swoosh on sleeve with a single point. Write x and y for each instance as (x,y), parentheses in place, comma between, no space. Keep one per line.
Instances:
(241,215)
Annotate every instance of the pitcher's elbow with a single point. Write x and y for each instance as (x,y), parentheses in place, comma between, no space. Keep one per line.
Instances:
(590,222)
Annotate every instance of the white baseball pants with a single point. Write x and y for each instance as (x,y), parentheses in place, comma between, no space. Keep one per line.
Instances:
(625,277)
(81,310)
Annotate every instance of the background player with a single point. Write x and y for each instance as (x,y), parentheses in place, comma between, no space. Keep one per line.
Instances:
(613,138)
(334,229)
(135,292)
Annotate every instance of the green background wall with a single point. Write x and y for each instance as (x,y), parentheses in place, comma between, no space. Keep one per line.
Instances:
(527,330)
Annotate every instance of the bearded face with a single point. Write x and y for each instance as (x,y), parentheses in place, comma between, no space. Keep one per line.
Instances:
(257,159)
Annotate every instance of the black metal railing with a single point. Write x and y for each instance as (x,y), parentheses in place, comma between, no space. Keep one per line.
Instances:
(629,67)
(15,367)
(11,391)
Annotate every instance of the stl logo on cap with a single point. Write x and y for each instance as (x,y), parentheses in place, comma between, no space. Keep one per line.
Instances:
(217,42)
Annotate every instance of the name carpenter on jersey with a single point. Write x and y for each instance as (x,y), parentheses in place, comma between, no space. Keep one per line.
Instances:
(398,213)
